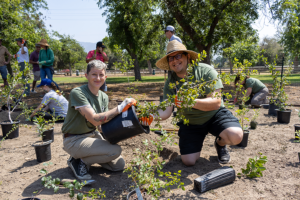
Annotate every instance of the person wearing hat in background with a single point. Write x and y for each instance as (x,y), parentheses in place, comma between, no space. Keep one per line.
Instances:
(208,113)
(46,60)
(170,31)
(100,55)
(22,55)
(53,103)
(34,60)
(3,63)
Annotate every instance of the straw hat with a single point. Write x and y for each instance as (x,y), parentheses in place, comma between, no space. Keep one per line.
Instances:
(43,42)
(172,47)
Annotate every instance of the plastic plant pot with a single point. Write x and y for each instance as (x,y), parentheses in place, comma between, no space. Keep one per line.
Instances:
(48,135)
(161,98)
(272,109)
(297,128)
(7,127)
(265,106)
(43,150)
(299,156)
(253,124)
(31,198)
(214,179)
(284,116)
(123,126)
(244,142)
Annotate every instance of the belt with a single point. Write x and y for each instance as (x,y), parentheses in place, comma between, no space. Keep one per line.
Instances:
(70,135)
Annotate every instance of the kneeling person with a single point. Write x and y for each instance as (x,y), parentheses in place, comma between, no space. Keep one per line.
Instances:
(88,109)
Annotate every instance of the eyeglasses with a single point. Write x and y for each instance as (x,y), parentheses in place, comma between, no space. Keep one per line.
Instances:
(177,56)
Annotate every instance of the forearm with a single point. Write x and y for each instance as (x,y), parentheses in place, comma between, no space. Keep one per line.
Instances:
(105,58)
(36,110)
(208,104)
(9,58)
(22,50)
(89,59)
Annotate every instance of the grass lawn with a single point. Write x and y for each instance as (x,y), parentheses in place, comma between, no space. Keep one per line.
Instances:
(77,79)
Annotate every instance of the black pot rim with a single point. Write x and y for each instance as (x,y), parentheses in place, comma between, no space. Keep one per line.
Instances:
(44,144)
(130,193)
(14,122)
(246,131)
(286,110)
(297,125)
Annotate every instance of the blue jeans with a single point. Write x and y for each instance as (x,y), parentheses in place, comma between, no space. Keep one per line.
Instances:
(3,71)
(46,72)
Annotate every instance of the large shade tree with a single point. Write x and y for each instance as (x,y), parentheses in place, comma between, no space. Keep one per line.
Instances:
(207,23)
(133,27)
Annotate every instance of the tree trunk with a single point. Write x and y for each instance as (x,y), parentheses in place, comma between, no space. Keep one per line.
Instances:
(231,66)
(296,62)
(137,72)
(70,68)
(149,66)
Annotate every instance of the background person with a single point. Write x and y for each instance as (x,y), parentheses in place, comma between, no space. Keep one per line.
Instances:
(52,102)
(256,90)
(100,55)
(170,34)
(46,59)
(208,114)
(3,63)
(22,55)
(34,60)
(88,110)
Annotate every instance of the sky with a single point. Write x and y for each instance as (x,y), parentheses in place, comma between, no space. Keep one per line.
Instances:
(83,20)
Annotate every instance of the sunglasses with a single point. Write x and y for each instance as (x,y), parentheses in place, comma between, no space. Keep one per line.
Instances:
(177,56)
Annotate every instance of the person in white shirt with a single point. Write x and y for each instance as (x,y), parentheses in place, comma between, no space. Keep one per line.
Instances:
(22,55)
(53,103)
(170,31)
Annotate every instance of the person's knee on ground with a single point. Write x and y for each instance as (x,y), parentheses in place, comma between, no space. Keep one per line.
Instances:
(117,164)
(190,159)
(231,136)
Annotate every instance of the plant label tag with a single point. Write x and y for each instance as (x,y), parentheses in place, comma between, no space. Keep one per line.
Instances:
(138,193)
(127,123)
(124,114)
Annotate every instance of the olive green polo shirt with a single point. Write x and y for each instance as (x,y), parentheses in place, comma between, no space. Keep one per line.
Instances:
(255,84)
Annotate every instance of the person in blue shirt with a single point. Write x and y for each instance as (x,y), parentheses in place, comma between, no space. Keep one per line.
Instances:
(170,31)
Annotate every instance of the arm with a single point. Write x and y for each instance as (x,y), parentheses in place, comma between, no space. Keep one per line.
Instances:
(8,56)
(39,108)
(90,56)
(31,61)
(105,57)
(249,91)
(100,118)
(23,50)
(211,102)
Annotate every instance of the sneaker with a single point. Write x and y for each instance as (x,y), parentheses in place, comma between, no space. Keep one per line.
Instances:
(79,168)
(33,91)
(223,155)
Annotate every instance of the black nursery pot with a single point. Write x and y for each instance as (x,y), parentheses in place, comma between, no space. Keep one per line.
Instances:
(123,126)
(31,198)
(272,109)
(48,135)
(297,128)
(284,116)
(244,142)
(43,151)
(299,156)
(7,127)
(161,98)
(241,106)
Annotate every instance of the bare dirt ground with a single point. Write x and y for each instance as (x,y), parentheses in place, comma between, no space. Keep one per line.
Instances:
(20,177)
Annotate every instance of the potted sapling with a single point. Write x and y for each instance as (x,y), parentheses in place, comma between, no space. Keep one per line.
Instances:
(15,90)
(297,127)
(241,115)
(283,114)
(253,122)
(145,170)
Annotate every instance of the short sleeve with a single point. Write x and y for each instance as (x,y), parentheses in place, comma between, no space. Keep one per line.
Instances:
(25,49)
(249,83)
(89,55)
(77,98)
(104,53)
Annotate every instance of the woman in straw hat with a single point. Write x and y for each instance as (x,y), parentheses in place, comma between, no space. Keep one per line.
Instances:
(208,115)
(46,59)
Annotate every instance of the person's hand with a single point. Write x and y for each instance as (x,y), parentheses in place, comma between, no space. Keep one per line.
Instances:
(146,121)
(42,62)
(5,63)
(95,55)
(127,103)
(177,102)
(235,100)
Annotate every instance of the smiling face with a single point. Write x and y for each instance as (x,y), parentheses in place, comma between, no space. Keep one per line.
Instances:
(179,66)
(96,77)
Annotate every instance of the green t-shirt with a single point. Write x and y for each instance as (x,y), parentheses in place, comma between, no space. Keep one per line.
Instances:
(207,72)
(75,123)
(255,84)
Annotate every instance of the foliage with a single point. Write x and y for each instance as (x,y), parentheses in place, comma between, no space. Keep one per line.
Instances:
(15,89)
(241,114)
(256,114)
(206,24)
(134,27)
(297,136)
(146,164)
(247,49)
(255,167)
(270,48)
(74,187)
(20,19)
(298,112)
